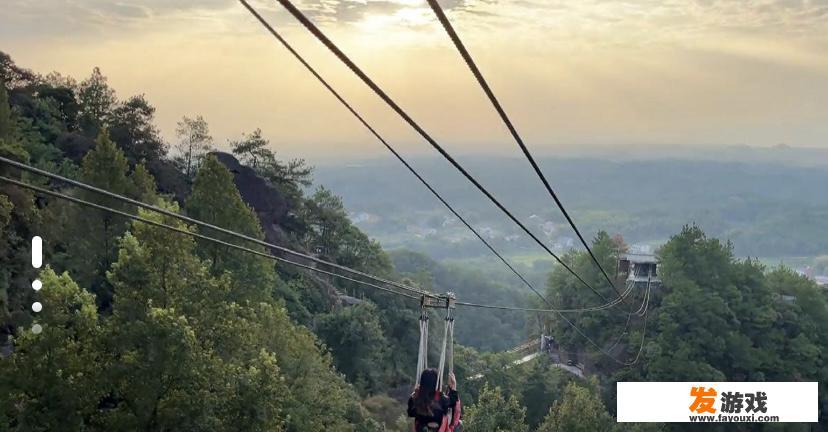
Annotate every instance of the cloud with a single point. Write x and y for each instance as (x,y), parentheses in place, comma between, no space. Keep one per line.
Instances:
(355,11)
(575,71)
(597,17)
(77,18)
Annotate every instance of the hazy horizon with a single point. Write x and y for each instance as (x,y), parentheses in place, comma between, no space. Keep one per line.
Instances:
(571,74)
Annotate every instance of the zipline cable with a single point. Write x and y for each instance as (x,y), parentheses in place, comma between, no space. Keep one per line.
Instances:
(640,312)
(186,232)
(393,105)
(197,222)
(455,38)
(263,254)
(390,148)
(357,71)
(166,212)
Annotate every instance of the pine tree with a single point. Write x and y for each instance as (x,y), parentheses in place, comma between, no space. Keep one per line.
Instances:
(579,410)
(144,188)
(215,200)
(494,413)
(91,246)
(105,166)
(97,100)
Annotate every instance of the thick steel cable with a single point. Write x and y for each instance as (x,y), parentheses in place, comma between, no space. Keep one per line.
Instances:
(643,309)
(393,105)
(640,312)
(390,148)
(252,251)
(187,219)
(605,352)
(455,38)
(193,234)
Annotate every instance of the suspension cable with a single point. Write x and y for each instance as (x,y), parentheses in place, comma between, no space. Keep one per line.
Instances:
(399,157)
(187,219)
(186,232)
(266,255)
(455,38)
(393,105)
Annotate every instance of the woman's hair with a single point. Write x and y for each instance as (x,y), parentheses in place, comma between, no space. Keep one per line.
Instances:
(424,395)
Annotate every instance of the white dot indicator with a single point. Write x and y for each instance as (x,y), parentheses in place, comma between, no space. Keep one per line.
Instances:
(37,251)
(37,284)
(36,329)
(37,307)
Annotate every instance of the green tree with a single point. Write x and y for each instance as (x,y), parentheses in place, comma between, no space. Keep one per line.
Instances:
(794,347)
(159,277)
(566,291)
(131,127)
(194,142)
(61,91)
(105,166)
(97,101)
(355,337)
(252,150)
(52,381)
(542,386)
(255,277)
(579,410)
(14,76)
(9,145)
(91,247)
(333,236)
(494,413)
(19,218)
(144,188)
(172,316)
(288,176)
(694,325)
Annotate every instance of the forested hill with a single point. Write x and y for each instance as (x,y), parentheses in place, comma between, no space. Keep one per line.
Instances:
(146,329)
(753,204)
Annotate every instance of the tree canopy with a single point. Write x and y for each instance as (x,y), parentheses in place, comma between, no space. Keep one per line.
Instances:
(148,329)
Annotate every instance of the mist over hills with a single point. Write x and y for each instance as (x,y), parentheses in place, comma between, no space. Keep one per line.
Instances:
(755,203)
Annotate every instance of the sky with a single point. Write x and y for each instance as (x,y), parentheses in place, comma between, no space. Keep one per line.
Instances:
(572,74)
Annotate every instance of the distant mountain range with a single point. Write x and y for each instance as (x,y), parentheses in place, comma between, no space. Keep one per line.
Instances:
(778,154)
(769,202)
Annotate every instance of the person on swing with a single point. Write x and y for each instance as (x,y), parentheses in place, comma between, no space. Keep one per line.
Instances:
(430,408)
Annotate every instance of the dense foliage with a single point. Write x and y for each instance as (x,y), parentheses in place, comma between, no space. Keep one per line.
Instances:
(148,329)
(714,318)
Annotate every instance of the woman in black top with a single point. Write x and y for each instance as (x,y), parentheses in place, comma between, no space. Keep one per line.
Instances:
(429,406)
